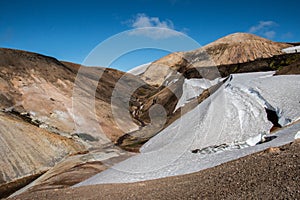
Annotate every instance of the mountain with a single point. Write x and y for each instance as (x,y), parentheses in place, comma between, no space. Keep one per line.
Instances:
(242,110)
(170,73)
(62,122)
(242,47)
(232,49)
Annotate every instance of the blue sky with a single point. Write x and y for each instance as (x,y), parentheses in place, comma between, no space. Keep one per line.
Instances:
(69,30)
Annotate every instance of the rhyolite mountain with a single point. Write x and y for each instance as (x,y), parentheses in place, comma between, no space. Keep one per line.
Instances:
(232,49)
(41,136)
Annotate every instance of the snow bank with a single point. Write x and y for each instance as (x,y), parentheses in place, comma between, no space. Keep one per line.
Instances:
(233,114)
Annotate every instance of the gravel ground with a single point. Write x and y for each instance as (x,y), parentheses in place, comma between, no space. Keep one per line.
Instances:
(271,174)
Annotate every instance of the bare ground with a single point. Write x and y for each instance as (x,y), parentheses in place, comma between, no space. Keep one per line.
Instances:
(271,174)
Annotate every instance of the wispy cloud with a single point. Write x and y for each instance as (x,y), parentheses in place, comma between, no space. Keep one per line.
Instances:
(152,27)
(264,28)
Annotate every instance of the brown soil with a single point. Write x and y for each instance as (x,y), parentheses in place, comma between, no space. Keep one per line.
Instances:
(270,174)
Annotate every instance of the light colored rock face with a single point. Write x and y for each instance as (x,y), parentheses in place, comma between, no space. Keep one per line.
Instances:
(26,149)
(231,49)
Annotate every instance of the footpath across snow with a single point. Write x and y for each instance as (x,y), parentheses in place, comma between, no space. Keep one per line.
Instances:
(231,117)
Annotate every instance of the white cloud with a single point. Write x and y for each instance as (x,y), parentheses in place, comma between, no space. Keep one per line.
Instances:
(152,27)
(264,28)
(143,20)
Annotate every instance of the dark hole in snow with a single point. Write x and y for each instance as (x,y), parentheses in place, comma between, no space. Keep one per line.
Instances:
(273,117)
(195,150)
(267,139)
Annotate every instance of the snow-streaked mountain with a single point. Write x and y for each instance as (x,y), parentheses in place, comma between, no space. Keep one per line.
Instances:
(196,111)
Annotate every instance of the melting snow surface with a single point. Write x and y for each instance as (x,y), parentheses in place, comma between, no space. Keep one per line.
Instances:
(233,114)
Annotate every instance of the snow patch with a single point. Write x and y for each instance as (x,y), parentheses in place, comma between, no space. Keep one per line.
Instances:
(295,49)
